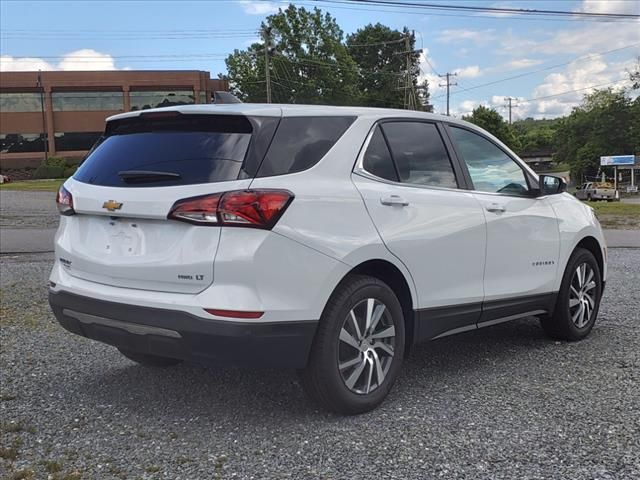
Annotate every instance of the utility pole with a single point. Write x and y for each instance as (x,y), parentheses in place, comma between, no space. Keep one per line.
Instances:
(44,118)
(410,100)
(448,84)
(267,47)
(405,81)
(509,100)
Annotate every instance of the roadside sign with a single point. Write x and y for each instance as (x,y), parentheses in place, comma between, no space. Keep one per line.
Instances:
(614,160)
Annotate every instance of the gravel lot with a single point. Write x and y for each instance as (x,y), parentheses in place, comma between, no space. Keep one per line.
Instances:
(503,402)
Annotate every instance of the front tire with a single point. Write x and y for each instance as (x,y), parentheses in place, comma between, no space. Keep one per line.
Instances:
(578,300)
(149,360)
(358,348)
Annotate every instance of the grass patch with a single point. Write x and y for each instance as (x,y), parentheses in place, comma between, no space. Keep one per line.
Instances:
(615,208)
(617,215)
(51,466)
(34,185)
(8,453)
(24,474)
(12,427)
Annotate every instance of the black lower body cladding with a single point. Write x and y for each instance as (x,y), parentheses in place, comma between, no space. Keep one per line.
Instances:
(175,334)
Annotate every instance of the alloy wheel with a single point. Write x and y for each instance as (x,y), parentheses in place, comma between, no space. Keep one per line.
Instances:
(366,346)
(582,293)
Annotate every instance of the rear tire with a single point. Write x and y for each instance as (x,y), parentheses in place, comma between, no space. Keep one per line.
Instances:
(358,348)
(149,360)
(578,299)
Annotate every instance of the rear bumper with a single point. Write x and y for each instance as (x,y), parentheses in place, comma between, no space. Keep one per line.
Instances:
(176,334)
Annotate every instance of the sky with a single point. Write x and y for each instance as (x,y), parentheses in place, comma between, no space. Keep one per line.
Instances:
(555,61)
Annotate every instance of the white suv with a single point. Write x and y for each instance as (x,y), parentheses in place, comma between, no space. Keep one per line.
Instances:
(325,239)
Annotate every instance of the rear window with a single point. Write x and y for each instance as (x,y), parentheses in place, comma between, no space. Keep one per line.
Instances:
(189,149)
(301,142)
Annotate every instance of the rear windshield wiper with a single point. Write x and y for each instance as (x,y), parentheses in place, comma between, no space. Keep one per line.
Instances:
(141,176)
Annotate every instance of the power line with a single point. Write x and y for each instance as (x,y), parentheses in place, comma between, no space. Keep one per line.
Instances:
(342,5)
(389,42)
(533,72)
(576,90)
(494,10)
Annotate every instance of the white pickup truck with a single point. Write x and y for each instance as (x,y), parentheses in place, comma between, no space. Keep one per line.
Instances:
(596,191)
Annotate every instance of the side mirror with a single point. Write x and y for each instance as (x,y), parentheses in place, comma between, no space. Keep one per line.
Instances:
(550,185)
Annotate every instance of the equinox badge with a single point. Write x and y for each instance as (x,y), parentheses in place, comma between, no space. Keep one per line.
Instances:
(112,205)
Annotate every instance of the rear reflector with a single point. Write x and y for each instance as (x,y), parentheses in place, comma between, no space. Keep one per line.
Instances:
(233,313)
(64,202)
(241,208)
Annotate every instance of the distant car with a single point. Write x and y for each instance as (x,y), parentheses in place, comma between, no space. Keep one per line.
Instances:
(596,191)
(324,239)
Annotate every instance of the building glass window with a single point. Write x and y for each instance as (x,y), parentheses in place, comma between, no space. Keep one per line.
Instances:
(21,142)
(167,98)
(76,141)
(20,102)
(87,101)
(204,98)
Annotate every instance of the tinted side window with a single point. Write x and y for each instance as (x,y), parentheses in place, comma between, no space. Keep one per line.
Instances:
(419,154)
(300,143)
(377,159)
(491,169)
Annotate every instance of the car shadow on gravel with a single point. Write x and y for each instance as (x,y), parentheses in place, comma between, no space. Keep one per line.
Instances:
(198,391)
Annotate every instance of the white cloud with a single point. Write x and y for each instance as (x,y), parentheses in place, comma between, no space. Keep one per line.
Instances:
(466,35)
(578,79)
(87,59)
(466,107)
(83,59)
(471,71)
(522,63)
(24,64)
(610,6)
(251,7)
(594,37)
(427,65)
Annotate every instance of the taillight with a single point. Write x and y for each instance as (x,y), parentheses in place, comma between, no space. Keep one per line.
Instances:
(64,201)
(241,208)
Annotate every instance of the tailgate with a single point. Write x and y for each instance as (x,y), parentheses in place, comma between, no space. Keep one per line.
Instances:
(137,247)
(122,193)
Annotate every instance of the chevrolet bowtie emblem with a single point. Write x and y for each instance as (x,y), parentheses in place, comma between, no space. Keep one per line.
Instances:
(112,205)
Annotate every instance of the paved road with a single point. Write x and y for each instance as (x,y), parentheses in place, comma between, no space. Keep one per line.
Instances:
(28,223)
(499,403)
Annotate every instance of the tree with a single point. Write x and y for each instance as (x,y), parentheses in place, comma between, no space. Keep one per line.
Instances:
(605,124)
(634,75)
(380,53)
(492,122)
(310,63)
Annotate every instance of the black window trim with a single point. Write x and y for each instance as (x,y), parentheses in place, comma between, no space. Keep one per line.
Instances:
(459,173)
(532,182)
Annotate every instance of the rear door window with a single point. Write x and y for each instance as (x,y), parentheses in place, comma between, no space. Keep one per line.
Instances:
(301,142)
(189,149)
(377,159)
(420,154)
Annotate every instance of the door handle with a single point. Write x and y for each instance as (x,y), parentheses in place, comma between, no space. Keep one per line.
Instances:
(496,207)
(394,200)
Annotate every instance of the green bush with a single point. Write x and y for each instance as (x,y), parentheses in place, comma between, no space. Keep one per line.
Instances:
(69,171)
(48,171)
(55,162)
